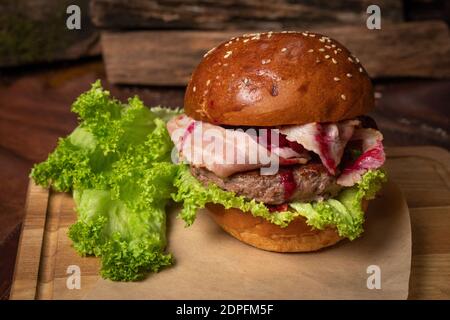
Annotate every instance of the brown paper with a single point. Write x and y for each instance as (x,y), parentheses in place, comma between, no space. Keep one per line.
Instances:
(210,264)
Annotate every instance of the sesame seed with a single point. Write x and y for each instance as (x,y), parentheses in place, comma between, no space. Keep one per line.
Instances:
(357,60)
(211,50)
(208,82)
(312,35)
(321,49)
(311,50)
(283,50)
(269,34)
(327,57)
(228,54)
(334,60)
(225,64)
(336,79)
(246,81)
(360,69)
(328,47)
(328,40)
(194,88)
(265,61)
(322,40)
(317,60)
(350,59)
(305,33)
(245,40)
(333,46)
(349,75)
(335,52)
(343,97)
(339,49)
(227,44)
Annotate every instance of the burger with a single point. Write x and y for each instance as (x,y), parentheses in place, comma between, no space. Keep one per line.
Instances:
(274,141)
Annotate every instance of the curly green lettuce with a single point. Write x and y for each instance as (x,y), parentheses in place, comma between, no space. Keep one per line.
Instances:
(344,212)
(117,163)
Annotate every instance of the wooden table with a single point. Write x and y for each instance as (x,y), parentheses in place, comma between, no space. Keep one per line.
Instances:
(35,111)
(423,174)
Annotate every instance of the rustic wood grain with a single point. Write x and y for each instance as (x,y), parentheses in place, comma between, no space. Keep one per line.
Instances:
(225,14)
(423,174)
(427,10)
(400,116)
(420,49)
(30,244)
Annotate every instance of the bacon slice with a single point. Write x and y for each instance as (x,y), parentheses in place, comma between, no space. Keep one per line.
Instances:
(326,140)
(206,145)
(373,156)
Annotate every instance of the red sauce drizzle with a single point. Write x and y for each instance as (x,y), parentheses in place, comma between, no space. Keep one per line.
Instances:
(186,133)
(288,182)
(282,142)
(280,207)
(324,150)
(372,158)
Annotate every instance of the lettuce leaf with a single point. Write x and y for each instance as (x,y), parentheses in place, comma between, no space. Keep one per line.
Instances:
(117,163)
(344,212)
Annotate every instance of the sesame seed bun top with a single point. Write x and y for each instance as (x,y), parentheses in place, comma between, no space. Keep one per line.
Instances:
(270,79)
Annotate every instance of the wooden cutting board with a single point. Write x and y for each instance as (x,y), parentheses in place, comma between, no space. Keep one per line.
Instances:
(423,174)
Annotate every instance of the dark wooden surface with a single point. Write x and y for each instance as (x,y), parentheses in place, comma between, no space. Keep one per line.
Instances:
(242,14)
(413,49)
(35,111)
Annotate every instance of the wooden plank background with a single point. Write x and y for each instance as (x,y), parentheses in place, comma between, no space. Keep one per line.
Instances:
(420,49)
(243,14)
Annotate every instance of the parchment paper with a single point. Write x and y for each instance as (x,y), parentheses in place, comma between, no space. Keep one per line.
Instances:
(210,264)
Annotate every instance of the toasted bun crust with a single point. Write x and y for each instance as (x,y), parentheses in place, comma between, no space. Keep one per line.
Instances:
(271,79)
(258,232)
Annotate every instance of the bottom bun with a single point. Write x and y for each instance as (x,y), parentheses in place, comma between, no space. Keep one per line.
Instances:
(260,233)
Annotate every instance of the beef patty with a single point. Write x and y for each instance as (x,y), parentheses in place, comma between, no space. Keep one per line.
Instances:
(302,183)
